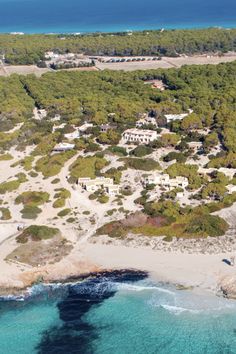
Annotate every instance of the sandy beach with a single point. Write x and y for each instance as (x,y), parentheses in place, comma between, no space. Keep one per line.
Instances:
(198,270)
(203,271)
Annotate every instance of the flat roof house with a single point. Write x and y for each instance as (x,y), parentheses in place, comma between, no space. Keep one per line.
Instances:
(173,117)
(92,185)
(164,180)
(146,121)
(63,147)
(74,135)
(139,136)
(85,126)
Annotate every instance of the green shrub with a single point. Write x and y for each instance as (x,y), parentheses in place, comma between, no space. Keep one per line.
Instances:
(59,203)
(103,199)
(32,198)
(9,186)
(30,212)
(117,150)
(52,165)
(6,157)
(141,164)
(86,212)
(64,212)
(37,233)
(33,174)
(6,214)
(141,151)
(55,181)
(87,167)
(71,220)
(168,239)
(62,193)
(27,162)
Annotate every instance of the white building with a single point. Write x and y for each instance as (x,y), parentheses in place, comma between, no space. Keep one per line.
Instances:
(63,147)
(39,114)
(56,118)
(146,121)
(85,126)
(139,136)
(51,55)
(57,127)
(228,172)
(231,188)
(74,135)
(164,180)
(92,185)
(173,117)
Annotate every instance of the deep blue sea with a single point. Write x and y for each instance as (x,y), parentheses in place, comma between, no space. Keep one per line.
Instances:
(117,315)
(113,15)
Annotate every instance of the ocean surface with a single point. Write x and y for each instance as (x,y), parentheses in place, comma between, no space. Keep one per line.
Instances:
(47,16)
(118,314)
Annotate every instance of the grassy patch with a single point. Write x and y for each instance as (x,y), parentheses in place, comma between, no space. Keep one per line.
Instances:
(61,196)
(30,212)
(32,198)
(51,165)
(87,167)
(141,164)
(37,233)
(64,212)
(33,174)
(9,186)
(6,157)
(55,181)
(5,214)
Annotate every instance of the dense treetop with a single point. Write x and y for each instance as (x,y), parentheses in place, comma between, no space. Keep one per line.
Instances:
(120,97)
(28,49)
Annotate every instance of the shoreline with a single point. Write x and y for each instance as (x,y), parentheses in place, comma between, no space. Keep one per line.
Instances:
(119,28)
(197,272)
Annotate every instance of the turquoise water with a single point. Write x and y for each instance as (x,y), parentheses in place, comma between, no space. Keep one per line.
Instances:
(106,15)
(111,315)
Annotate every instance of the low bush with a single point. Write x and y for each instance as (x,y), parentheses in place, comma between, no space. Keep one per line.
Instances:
(6,157)
(87,167)
(37,233)
(32,198)
(51,165)
(33,174)
(9,186)
(141,164)
(117,150)
(64,212)
(59,203)
(103,199)
(30,212)
(55,181)
(141,151)
(5,214)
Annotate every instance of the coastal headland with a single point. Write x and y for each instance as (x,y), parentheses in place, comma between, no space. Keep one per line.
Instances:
(121,168)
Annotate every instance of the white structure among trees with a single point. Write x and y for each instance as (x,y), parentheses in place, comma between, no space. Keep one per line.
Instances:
(164,180)
(93,185)
(139,136)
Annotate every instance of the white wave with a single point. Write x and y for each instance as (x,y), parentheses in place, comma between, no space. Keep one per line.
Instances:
(132,287)
(177,310)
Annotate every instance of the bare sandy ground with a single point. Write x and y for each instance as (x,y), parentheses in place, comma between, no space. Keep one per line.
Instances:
(198,270)
(23,70)
(167,62)
(164,63)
